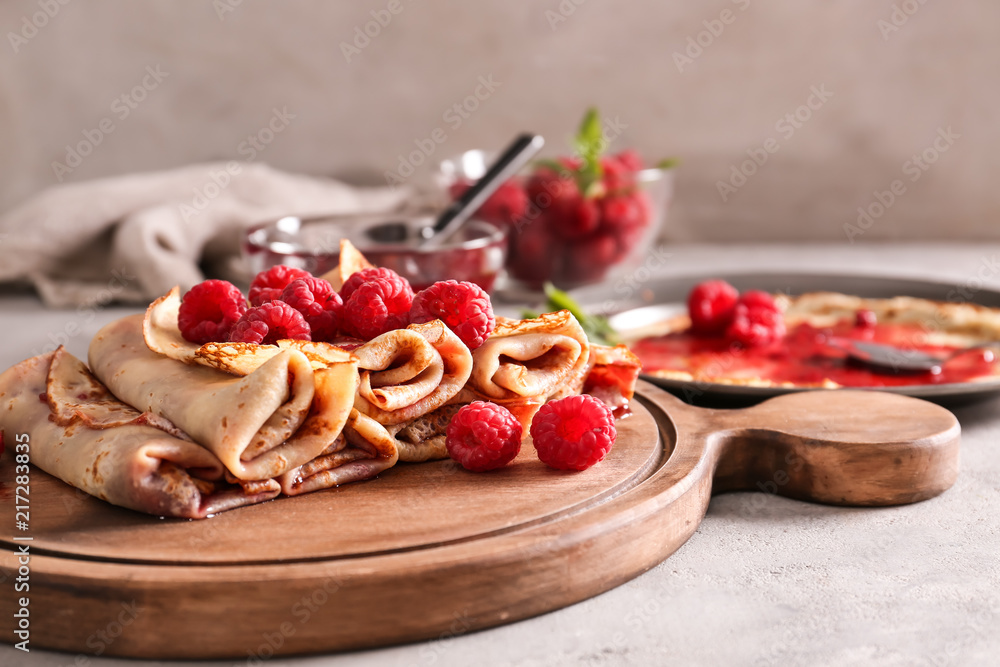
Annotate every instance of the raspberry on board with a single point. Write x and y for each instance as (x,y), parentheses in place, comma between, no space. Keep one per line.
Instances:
(464,307)
(209,310)
(573,433)
(376,306)
(319,304)
(270,322)
(358,278)
(710,305)
(483,436)
(268,285)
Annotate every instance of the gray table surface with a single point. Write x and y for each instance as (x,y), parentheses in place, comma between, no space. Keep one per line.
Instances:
(764,580)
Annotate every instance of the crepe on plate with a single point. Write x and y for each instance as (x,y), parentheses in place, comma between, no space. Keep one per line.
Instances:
(933,323)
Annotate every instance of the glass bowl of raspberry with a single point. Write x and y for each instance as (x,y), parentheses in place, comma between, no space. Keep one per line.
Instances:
(574,220)
(475,253)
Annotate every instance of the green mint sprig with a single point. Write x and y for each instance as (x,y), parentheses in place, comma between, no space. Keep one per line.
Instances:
(596,327)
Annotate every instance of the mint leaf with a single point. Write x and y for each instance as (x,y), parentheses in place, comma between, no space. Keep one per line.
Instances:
(668,163)
(589,145)
(595,326)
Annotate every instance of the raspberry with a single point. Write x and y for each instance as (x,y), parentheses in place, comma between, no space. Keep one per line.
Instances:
(573,433)
(755,298)
(623,212)
(756,325)
(710,305)
(865,319)
(270,322)
(575,218)
(364,275)
(504,207)
(378,305)
(319,304)
(590,259)
(531,257)
(209,310)
(483,436)
(464,307)
(630,159)
(267,285)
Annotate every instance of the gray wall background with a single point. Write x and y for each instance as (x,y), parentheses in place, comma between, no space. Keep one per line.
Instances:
(900,73)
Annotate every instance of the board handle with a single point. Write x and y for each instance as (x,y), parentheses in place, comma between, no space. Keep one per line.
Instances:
(840,447)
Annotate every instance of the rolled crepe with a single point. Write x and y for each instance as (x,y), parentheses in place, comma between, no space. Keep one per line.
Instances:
(404,373)
(527,362)
(277,417)
(363,450)
(408,373)
(86,438)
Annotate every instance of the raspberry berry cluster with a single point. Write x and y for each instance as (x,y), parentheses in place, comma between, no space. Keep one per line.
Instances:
(573,217)
(571,433)
(751,319)
(289,303)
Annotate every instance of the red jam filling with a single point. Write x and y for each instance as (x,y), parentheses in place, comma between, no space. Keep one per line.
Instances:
(804,357)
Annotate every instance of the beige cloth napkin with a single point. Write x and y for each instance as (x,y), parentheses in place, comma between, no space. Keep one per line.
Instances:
(131,238)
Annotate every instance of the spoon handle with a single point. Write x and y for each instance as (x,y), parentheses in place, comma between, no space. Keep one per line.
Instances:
(522,149)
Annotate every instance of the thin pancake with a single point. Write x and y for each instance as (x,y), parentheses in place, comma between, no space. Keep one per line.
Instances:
(129,464)
(278,417)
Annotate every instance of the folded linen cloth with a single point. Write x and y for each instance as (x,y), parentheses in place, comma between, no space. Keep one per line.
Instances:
(131,238)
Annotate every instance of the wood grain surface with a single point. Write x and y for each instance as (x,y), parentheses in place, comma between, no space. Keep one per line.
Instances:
(429,550)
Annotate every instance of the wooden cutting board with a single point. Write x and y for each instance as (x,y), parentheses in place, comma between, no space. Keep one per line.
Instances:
(430,550)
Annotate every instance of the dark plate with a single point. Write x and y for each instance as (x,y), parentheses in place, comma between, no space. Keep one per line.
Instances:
(625,303)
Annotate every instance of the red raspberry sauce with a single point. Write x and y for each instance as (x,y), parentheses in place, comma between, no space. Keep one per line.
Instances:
(805,358)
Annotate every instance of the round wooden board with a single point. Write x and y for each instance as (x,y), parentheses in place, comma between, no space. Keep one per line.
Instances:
(430,550)
(375,559)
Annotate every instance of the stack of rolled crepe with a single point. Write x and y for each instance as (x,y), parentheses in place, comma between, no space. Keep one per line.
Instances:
(180,429)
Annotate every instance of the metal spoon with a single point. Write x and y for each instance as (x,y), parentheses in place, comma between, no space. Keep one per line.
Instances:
(900,360)
(522,149)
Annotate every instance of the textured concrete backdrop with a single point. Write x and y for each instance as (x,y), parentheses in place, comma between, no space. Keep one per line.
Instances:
(707,81)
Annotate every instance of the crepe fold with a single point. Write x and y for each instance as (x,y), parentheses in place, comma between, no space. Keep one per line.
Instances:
(525,363)
(85,437)
(279,416)
(361,451)
(408,373)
